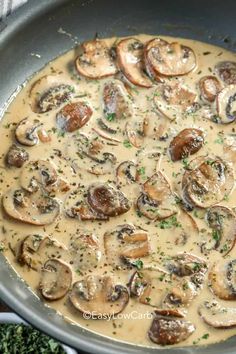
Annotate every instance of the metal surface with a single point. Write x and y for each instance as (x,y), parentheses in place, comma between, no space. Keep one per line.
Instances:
(33,29)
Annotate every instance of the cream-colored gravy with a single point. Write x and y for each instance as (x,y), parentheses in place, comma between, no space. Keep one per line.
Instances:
(163,241)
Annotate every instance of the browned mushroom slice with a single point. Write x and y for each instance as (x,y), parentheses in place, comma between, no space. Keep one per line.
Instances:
(36,249)
(227,71)
(107,200)
(207,181)
(95,60)
(226,104)
(90,154)
(99,296)
(172,100)
(126,173)
(36,208)
(187,142)
(209,87)
(217,316)
(26,132)
(168,59)
(16,156)
(125,243)
(157,202)
(73,116)
(85,251)
(222,222)
(222,279)
(166,330)
(38,174)
(77,207)
(49,92)
(130,60)
(117,104)
(56,280)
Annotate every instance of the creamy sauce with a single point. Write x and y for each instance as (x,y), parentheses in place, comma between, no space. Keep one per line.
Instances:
(163,241)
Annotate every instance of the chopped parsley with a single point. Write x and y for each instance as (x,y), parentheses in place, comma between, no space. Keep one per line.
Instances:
(138,264)
(169,223)
(127,144)
(186,164)
(216,235)
(110,117)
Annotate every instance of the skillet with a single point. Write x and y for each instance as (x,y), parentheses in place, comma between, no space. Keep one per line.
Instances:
(49,28)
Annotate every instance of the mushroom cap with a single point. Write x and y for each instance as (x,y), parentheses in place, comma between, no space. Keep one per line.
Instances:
(226,71)
(99,296)
(130,60)
(125,243)
(56,279)
(226,104)
(209,87)
(26,132)
(221,279)
(173,99)
(37,208)
(157,201)
(168,59)
(49,92)
(187,142)
(38,173)
(207,181)
(217,316)
(107,200)
(95,60)
(116,100)
(73,116)
(16,156)
(167,330)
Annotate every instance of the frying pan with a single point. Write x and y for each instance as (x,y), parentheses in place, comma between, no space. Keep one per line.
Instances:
(49,28)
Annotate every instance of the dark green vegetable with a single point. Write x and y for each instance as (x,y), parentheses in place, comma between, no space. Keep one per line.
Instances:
(22,339)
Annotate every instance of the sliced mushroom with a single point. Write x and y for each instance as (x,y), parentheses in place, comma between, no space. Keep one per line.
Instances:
(49,92)
(117,104)
(56,279)
(166,330)
(222,279)
(36,208)
(125,243)
(187,142)
(126,173)
(217,316)
(222,222)
(135,133)
(85,251)
(130,60)
(207,181)
(191,271)
(226,104)
(157,202)
(227,71)
(168,59)
(209,87)
(77,207)
(26,132)
(99,296)
(173,100)
(147,164)
(107,200)
(16,156)
(73,116)
(38,174)
(36,249)
(95,60)
(90,153)
(148,286)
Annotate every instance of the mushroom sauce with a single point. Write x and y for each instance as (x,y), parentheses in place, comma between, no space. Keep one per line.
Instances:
(117,184)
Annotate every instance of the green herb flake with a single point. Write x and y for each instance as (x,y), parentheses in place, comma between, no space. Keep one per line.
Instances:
(216,235)
(127,144)
(110,117)
(138,264)
(205,336)
(169,223)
